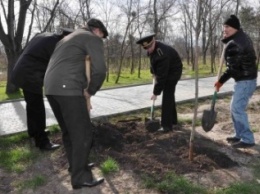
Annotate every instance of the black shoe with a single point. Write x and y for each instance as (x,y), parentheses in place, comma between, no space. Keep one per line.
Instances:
(164,129)
(91,165)
(233,139)
(89,184)
(49,147)
(242,145)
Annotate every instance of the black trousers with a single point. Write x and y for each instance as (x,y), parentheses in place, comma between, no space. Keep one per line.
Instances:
(77,134)
(169,113)
(36,117)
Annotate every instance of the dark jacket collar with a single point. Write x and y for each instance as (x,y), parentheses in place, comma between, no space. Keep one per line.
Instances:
(226,40)
(155,47)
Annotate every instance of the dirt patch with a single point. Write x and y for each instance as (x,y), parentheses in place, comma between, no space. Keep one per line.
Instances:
(139,152)
(157,153)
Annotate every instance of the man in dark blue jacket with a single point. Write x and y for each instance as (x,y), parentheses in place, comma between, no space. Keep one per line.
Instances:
(241,66)
(28,74)
(166,68)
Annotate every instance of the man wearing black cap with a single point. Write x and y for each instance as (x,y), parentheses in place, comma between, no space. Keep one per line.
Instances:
(28,74)
(241,66)
(68,89)
(166,68)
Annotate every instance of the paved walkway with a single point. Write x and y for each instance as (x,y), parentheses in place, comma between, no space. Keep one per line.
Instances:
(111,102)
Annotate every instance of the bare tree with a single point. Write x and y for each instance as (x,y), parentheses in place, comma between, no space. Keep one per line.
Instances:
(141,21)
(187,33)
(200,8)
(31,23)
(204,21)
(12,39)
(188,28)
(214,29)
(199,14)
(85,9)
(106,8)
(250,21)
(237,6)
(45,15)
(131,15)
(159,12)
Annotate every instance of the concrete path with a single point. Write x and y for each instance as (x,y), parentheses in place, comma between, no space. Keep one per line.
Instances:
(111,102)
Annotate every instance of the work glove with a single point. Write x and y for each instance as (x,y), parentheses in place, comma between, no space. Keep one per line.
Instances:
(218,86)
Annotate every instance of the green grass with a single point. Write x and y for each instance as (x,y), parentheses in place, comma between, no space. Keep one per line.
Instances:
(188,121)
(256,170)
(127,79)
(255,130)
(17,158)
(32,183)
(4,96)
(241,188)
(109,166)
(8,141)
(54,129)
(171,183)
(204,71)
(15,153)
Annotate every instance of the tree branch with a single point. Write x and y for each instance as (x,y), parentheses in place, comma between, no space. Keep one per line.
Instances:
(52,15)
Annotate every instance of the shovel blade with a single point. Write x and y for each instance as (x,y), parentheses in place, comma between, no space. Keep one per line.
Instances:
(208,119)
(152,125)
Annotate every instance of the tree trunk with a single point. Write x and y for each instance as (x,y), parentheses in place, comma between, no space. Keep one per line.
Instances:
(139,62)
(197,29)
(12,58)
(132,55)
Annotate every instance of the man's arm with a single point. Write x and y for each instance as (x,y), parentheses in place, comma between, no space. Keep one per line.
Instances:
(88,73)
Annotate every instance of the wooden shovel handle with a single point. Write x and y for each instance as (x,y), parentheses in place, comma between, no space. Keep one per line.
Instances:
(152,110)
(221,62)
(88,72)
(152,107)
(214,100)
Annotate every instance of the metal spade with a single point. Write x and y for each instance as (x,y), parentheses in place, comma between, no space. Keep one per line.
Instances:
(209,116)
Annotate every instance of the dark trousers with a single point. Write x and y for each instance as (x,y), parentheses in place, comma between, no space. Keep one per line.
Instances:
(169,113)
(36,118)
(77,134)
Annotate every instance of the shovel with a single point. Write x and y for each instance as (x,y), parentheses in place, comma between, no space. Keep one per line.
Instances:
(152,124)
(209,116)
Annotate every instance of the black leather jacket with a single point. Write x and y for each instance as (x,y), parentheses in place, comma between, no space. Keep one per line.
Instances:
(166,65)
(240,58)
(30,68)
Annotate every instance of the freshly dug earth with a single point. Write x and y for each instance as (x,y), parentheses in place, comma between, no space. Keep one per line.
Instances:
(139,152)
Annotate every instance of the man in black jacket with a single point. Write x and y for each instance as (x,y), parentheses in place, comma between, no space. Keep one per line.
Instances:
(241,66)
(166,68)
(28,74)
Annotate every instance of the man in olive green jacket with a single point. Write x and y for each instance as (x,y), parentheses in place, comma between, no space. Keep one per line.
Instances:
(68,88)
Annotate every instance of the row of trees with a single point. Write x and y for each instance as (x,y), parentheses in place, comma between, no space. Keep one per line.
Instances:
(193,27)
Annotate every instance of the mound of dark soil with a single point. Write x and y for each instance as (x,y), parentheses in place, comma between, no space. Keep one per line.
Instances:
(130,144)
